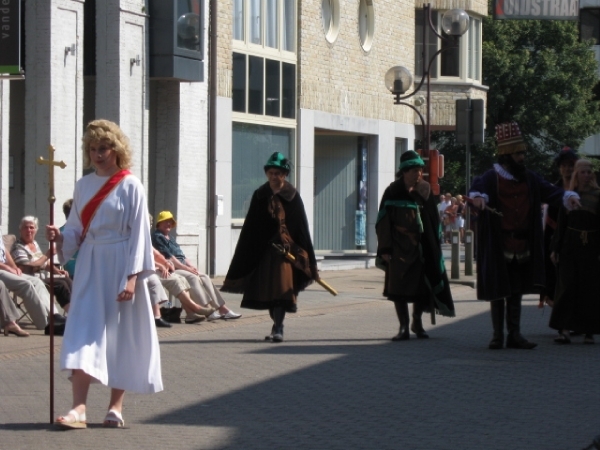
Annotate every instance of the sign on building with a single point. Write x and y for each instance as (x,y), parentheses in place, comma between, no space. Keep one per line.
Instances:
(10,37)
(536,9)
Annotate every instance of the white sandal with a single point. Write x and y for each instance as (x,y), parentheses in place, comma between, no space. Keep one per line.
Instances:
(113,419)
(77,421)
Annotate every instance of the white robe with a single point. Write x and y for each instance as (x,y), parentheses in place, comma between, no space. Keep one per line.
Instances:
(114,342)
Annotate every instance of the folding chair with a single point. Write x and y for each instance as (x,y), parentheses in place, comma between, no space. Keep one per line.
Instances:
(9,240)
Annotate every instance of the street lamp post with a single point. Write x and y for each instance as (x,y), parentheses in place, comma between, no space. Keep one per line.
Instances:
(399,80)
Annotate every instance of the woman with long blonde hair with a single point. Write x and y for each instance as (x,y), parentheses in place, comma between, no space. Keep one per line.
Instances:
(576,251)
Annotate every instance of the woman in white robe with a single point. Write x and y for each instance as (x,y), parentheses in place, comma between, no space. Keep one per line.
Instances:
(110,336)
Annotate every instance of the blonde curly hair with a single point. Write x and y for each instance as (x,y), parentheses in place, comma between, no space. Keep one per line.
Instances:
(109,133)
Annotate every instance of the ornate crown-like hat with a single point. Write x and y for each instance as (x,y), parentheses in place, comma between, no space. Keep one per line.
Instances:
(509,138)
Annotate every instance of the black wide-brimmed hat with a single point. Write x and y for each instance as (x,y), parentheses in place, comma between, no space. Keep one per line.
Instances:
(566,154)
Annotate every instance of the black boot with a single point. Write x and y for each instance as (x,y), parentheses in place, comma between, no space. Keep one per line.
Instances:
(270,336)
(497,309)
(278,316)
(417,322)
(404,318)
(513,325)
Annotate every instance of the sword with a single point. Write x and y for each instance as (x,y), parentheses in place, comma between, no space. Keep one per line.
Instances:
(292,258)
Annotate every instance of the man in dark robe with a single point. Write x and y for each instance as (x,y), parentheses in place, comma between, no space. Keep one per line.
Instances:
(408,248)
(510,256)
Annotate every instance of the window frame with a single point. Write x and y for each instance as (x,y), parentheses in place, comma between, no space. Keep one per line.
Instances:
(282,33)
(264,117)
(467,52)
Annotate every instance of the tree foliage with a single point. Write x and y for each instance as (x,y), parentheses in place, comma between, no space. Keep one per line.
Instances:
(540,76)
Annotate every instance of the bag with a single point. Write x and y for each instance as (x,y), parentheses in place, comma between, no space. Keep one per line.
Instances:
(171,315)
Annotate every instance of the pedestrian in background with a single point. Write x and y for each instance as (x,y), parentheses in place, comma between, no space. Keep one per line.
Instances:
(576,250)
(409,249)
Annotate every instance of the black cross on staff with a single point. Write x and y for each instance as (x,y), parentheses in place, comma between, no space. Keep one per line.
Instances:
(51,163)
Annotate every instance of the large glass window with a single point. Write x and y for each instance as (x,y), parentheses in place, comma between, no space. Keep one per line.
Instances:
(255,85)
(256,21)
(238,20)
(251,147)
(463,61)
(450,58)
(474,49)
(288,90)
(270,24)
(272,87)
(271,28)
(239,83)
(268,86)
(431,43)
(589,22)
(288,38)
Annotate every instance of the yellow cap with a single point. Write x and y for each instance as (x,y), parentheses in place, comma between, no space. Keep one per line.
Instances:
(165,215)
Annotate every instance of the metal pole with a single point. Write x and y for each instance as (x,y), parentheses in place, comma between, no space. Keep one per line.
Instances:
(212,141)
(468,162)
(455,256)
(426,26)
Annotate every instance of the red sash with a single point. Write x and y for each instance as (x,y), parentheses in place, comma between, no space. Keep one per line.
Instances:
(89,210)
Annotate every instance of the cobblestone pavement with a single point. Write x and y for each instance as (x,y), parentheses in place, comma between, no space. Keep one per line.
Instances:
(336,382)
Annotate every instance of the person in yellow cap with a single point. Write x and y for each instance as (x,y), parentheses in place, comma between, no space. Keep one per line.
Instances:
(202,289)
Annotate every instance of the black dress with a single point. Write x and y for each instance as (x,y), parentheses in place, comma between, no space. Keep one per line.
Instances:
(577,242)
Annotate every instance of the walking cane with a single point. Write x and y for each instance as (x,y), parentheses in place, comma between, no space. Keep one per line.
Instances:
(292,258)
(51,163)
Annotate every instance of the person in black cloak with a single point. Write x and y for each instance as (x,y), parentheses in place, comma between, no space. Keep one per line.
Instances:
(276,223)
(564,161)
(409,248)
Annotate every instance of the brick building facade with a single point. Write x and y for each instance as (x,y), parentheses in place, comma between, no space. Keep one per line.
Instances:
(304,77)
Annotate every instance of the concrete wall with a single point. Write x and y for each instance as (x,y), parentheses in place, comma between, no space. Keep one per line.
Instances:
(53,101)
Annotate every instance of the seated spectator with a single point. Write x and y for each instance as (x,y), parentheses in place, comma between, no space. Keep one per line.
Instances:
(202,290)
(178,286)
(157,296)
(69,266)
(31,289)
(28,256)
(9,314)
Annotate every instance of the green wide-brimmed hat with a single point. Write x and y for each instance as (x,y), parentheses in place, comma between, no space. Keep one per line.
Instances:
(278,161)
(410,159)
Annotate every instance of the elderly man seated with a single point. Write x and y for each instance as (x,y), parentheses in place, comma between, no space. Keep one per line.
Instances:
(31,289)
(202,290)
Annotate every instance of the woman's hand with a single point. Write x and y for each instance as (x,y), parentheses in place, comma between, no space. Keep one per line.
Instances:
(53,233)
(127,294)
(386,257)
(554,258)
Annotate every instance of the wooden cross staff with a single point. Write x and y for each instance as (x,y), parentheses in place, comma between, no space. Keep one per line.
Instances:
(51,163)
